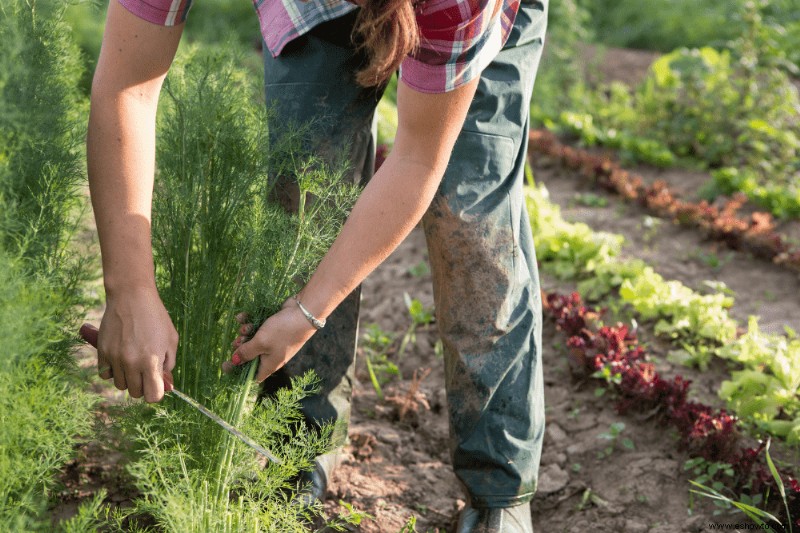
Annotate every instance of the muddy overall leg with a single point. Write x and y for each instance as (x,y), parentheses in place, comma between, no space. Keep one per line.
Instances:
(313,79)
(486,283)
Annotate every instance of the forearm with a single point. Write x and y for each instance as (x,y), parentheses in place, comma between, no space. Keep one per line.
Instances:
(120,149)
(388,209)
(395,198)
(120,145)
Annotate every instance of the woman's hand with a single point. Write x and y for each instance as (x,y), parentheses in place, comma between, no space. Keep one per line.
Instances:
(278,339)
(137,343)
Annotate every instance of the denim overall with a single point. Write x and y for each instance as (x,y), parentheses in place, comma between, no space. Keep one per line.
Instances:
(483,264)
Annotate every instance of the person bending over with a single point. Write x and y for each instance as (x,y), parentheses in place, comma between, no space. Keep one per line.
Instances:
(466,74)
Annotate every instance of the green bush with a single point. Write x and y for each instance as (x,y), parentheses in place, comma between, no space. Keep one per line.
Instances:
(739,116)
(662,25)
(219,21)
(41,131)
(702,104)
(210,22)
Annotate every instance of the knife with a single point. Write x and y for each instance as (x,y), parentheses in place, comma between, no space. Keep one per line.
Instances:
(89,333)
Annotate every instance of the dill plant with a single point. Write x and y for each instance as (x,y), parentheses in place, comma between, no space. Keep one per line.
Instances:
(41,163)
(43,408)
(41,129)
(223,244)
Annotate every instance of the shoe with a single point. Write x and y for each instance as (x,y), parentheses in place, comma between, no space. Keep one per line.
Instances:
(515,519)
(316,480)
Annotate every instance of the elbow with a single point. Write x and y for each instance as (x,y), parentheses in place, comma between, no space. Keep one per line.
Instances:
(421,160)
(109,86)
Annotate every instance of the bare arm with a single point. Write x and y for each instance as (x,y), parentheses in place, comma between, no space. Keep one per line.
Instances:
(137,340)
(389,207)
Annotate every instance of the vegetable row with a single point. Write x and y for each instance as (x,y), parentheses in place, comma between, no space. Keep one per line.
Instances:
(765,391)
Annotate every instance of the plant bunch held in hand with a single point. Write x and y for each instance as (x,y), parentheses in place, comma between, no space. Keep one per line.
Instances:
(223,245)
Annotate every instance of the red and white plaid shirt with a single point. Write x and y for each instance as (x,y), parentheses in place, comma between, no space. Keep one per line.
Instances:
(458,38)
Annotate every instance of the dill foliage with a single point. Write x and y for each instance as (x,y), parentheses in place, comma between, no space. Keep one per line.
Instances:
(43,409)
(41,129)
(42,175)
(223,244)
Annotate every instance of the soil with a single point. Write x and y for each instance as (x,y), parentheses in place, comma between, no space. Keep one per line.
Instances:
(398,468)
(608,64)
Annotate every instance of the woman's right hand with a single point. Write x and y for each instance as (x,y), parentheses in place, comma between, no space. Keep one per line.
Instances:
(137,343)
(137,340)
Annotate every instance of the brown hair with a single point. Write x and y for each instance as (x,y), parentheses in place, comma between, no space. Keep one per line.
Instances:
(387,30)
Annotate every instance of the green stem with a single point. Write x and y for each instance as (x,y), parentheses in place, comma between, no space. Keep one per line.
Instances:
(185,328)
(235,418)
(374,378)
(286,278)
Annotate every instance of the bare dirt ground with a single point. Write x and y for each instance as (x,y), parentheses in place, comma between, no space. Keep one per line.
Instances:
(607,64)
(397,469)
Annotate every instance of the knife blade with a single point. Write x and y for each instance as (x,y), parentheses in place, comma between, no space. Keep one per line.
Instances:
(226,426)
(89,333)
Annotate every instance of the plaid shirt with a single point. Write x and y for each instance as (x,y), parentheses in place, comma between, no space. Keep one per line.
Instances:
(458,38)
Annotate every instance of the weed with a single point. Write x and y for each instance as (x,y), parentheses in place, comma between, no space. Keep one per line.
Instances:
(410,526)
(410,403)
(380,371)
(589,200)
(375,343)
(420,269)
(613,436)
(420,316)
(650,227)
(438,349)
(745,504)
(376,339)
(710,259)
(589,497)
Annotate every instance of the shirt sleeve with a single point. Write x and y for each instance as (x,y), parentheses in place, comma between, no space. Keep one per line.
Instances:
(458,39)
(161,12)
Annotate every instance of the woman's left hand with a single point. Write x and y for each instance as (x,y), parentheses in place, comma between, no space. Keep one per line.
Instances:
(278,339)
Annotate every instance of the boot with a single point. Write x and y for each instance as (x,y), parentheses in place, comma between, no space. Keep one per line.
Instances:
(515,519)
